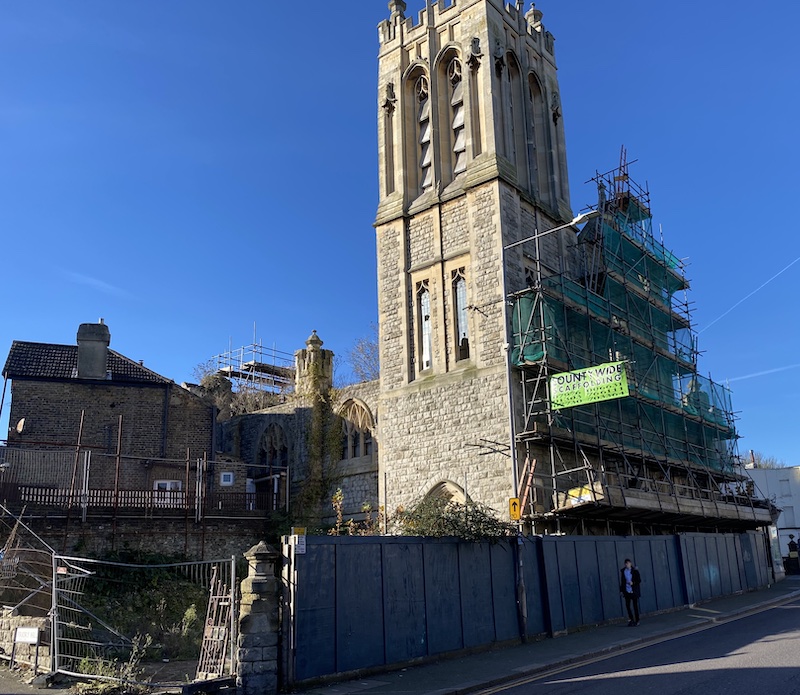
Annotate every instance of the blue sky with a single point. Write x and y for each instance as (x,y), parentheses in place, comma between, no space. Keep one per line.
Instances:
(189,169)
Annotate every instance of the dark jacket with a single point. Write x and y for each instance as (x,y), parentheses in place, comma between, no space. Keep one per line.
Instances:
(636,580)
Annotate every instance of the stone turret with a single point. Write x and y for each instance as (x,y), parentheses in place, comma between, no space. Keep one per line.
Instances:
(313,368)
(397,9)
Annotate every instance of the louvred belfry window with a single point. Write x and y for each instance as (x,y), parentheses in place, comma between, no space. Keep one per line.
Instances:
(454,75)
(422,91)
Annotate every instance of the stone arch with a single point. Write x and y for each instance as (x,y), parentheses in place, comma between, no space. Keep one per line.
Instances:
(358,426)
(273,449)
(356,410)
(447,490)
(266,482)
(445,53)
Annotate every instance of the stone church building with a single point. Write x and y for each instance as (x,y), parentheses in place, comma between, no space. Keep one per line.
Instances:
(492,293)
(489,285)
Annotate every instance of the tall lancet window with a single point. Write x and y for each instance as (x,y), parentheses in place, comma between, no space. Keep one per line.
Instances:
(422,92)
(425,327)
(460,304)
(454,75)
(516,129)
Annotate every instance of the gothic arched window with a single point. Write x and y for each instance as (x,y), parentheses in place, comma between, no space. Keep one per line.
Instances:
(357,425)
(274,451)
(461,320)
(425,326)
(515,127)
(540,173)
(422,93)
(459,133)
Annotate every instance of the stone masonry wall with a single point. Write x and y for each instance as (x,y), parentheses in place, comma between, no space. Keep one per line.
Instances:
(391,311)
(455,221)
(437,426)
(420,239)
(25,653)
(242,437)
(446,431)
(174,537)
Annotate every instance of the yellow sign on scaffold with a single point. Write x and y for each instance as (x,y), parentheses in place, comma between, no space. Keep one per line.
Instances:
(591,385)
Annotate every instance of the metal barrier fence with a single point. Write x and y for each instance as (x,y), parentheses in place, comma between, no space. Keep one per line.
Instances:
(110,619)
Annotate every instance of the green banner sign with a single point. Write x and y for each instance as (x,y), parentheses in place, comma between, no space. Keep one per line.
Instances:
(591,385)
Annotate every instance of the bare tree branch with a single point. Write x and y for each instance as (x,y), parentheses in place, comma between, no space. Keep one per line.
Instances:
(363,357)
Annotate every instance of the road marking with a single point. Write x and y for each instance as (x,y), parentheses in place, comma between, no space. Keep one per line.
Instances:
(712,623)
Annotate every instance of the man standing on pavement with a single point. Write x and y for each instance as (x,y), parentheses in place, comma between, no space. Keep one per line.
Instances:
(629,583)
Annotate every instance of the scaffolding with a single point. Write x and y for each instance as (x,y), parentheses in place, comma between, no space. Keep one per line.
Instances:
(256,368)
(666,455)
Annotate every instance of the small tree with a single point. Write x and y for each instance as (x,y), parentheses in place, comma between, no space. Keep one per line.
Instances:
(370,526)
(437,517)
(364,358)
(216,388)
(758,460)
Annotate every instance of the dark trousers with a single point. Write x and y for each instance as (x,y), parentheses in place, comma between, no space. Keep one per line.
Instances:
(631,599)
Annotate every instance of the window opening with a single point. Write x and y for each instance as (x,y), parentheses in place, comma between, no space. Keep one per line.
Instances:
(167,493)
(367,443)
(462,323)
(511,136)
(454,74)
(356,423)
(422,91)
(424,312)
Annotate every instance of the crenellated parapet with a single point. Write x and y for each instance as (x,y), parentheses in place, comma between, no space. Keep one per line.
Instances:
(401,26)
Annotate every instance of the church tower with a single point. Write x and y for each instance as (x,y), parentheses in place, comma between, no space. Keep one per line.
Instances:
(472,159)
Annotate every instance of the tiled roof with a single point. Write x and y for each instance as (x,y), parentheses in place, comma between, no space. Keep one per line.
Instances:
(47,361)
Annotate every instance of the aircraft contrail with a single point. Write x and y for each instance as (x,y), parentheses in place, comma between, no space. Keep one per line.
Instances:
(780,272)
(96,284)
(764,373)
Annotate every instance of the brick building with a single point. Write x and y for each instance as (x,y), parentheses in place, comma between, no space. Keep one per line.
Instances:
(96,435)
(86,418)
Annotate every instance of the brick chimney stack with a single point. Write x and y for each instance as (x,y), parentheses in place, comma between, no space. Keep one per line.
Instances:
(93,342)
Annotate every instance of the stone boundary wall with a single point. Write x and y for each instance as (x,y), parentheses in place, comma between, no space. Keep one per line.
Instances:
(25,653)
(212,539)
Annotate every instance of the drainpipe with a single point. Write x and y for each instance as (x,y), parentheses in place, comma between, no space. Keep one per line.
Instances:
(165,421)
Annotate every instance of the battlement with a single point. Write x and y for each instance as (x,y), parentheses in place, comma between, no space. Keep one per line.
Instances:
(441,11)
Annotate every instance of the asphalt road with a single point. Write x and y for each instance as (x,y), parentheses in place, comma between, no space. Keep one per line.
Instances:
(757,654)
(10,684)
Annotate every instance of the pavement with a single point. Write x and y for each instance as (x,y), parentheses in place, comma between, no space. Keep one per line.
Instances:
(470,673)
(473,672)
